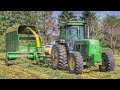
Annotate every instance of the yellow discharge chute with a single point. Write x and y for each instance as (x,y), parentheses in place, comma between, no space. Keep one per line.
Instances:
(36,37)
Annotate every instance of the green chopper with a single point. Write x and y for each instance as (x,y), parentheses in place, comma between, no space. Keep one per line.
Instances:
(24,41)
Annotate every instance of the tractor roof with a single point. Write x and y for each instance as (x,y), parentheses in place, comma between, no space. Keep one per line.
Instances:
(73,23)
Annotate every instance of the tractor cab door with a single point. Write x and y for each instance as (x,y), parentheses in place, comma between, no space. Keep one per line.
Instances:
(74,33)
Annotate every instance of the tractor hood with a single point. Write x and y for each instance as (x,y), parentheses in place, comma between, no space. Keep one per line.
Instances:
(87,41)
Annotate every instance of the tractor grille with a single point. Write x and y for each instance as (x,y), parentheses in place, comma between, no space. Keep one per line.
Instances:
(83,49)
(11,41)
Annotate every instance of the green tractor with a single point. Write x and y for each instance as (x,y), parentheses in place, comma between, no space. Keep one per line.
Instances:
(75,51)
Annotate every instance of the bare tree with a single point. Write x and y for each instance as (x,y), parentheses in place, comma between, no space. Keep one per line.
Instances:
(46,22)
(111,30)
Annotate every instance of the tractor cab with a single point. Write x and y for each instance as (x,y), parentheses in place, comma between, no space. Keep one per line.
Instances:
(72,31)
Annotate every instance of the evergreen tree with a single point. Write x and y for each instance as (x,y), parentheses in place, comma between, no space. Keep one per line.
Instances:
(92,21)
(10,18)
(66,16)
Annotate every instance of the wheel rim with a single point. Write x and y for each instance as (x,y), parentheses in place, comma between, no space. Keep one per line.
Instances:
(72,63)
(55,57)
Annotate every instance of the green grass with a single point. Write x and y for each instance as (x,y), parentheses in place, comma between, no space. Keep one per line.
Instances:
(27,70)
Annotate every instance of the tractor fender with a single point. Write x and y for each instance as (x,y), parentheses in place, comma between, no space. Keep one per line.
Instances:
(65,44)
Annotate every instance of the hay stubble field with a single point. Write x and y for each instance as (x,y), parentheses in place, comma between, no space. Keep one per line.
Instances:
(27,70)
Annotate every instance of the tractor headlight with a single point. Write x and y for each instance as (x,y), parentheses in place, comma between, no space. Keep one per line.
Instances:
(62,40)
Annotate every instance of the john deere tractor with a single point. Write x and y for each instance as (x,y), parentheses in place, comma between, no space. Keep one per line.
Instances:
(75,51)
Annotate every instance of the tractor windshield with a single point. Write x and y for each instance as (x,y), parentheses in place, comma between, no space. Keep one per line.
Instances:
(74,33)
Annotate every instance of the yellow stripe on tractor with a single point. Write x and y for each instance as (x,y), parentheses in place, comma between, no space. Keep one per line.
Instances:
(36,37)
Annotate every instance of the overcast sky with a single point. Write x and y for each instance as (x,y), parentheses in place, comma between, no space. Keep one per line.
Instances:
(102,14)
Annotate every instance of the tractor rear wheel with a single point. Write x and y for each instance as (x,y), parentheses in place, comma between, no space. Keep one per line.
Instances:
(58,57)
(75,63)
(108,62)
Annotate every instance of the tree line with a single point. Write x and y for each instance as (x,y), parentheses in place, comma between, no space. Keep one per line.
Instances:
(107,30)
(43,19)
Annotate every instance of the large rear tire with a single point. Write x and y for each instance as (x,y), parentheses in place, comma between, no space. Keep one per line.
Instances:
(58,57)
(108,62)
(75,63)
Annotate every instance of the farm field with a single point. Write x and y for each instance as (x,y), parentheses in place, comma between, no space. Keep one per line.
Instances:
(27,70)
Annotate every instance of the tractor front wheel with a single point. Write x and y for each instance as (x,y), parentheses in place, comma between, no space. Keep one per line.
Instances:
(108,62)
(75,63)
